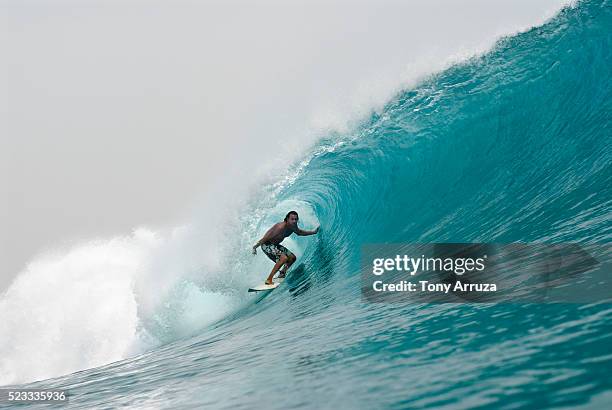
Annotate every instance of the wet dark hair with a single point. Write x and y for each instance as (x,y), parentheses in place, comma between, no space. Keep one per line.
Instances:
(289,214)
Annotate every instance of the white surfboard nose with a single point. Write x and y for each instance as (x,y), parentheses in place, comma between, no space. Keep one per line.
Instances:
(264,287)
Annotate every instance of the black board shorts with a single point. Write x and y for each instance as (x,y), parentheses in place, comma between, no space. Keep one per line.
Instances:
(274,251)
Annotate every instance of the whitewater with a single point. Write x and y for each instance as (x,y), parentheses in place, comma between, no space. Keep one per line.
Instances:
(509,145)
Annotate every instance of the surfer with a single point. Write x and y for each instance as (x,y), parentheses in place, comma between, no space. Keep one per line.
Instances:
(270,244)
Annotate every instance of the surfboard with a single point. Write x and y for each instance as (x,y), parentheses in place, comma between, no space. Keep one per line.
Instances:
(264,287)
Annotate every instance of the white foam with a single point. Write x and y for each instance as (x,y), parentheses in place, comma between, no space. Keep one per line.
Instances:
(103,301)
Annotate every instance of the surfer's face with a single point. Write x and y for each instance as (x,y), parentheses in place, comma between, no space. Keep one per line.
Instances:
(293,220)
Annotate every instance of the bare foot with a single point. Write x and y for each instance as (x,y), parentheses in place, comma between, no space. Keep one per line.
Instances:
(282,275)
(269,282)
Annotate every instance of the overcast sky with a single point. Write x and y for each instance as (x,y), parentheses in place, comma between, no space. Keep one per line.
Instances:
(118,114)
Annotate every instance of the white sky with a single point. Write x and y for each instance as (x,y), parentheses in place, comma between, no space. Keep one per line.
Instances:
(117,114)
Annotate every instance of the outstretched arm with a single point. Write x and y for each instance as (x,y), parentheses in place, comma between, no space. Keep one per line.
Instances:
(302,232)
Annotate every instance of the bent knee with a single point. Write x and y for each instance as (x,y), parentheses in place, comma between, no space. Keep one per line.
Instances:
(283,258)
(292,258)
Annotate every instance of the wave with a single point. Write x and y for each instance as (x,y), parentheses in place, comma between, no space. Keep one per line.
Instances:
(511,145)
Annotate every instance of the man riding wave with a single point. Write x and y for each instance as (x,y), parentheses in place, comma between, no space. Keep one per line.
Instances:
(270,244)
